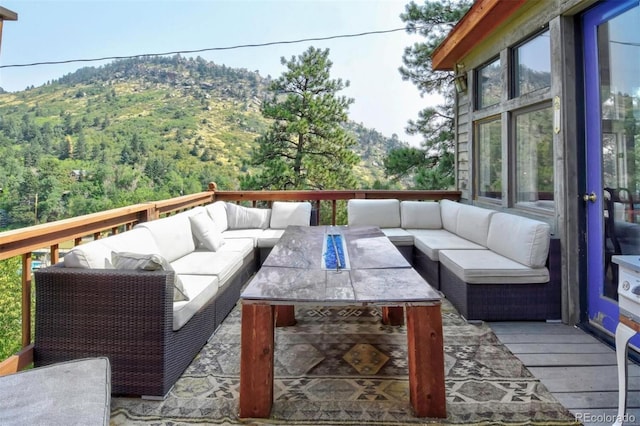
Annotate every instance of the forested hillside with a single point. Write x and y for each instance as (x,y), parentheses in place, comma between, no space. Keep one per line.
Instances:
(137,130)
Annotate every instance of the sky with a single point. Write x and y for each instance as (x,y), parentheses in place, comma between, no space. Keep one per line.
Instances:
(53,30)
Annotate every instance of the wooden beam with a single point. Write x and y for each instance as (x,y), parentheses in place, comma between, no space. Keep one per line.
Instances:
(480,21)
(7,15)
(26,299)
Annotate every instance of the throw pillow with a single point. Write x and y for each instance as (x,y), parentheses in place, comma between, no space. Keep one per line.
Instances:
(148,262)
(205,231)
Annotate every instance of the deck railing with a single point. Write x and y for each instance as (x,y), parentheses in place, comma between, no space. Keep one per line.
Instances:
(23,242)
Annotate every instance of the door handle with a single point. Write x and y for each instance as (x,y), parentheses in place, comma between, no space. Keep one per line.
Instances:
(590,197)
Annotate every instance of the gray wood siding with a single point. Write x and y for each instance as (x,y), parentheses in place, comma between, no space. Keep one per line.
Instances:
(560,17)
(463,143)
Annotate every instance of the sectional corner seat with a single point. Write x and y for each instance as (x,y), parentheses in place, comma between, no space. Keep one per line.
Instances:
(149,298)
(491,265)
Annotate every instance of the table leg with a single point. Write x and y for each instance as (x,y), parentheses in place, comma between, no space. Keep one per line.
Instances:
(285,315)
(393,315)
(426,361)
(256,360)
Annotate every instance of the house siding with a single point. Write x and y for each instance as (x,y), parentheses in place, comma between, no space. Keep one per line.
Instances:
(559,16)
(463,132)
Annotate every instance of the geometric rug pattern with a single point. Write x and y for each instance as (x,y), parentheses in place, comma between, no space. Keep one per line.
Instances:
(341,366)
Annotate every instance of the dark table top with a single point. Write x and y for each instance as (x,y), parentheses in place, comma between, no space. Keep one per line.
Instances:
(377,273)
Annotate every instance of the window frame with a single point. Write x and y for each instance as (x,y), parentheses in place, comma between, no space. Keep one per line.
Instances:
(508,109)
(513,160)
(514,83)
(476,127)
(478,87)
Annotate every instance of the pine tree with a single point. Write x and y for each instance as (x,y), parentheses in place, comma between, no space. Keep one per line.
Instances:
(433,164)
(307,146)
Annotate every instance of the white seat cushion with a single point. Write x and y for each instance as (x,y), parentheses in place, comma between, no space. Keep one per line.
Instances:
(398,236)
(243,246)
(420,215)
(254,234)
(431,242)
(427,232)
(204,262)
(487,267)
(269,237)
(284,214)
(384,213)
(200,289)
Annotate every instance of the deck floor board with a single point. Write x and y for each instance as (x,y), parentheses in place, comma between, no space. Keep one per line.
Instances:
(578,369)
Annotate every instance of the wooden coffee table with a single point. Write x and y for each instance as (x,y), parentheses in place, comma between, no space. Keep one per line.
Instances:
(376,273)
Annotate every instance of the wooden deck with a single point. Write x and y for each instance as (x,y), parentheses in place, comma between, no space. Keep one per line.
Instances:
(578,369)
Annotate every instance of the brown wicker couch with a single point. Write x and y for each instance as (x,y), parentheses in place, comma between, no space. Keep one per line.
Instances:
(85,307)
(126,316)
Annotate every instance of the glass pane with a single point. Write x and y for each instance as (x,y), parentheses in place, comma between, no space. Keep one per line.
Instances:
(490,159)
(489,84)
(619,71)
(534,158)
(533,65)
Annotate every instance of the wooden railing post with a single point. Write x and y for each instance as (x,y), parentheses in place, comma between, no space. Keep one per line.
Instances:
(54,254)
(151,213)
(26,299)
(333,211)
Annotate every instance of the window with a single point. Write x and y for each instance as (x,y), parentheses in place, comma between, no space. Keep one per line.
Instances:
(489,84)
(489,142)
(534,157)
(513,120)
(532,65)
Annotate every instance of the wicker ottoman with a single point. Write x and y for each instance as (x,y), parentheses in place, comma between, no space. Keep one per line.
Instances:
(69,393)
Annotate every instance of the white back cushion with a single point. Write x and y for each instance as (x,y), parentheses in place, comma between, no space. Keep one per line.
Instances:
(383,213)
(173,234)
(218,212)
(284,214)
(420,215)
(519,238)
(449,214)
(97,254)
(473,223)
(240,217)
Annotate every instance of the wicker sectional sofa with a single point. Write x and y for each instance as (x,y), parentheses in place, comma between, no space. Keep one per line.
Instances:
(149,298)
(491,265)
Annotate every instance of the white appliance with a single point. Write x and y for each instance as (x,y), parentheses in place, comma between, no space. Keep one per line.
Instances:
(629,325)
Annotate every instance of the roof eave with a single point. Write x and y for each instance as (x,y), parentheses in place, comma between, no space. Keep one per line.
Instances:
(474,27)
(7,15)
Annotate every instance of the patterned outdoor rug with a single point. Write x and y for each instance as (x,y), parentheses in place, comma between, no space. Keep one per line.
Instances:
(342,366)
